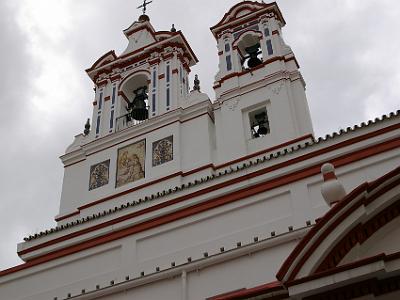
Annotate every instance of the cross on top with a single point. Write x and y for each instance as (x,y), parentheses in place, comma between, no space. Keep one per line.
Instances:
(144,5)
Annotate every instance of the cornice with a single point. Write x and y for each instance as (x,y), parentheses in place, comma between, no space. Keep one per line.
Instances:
(136,131)
(253,163)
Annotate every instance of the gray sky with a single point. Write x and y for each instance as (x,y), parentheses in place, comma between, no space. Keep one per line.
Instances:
(348,50)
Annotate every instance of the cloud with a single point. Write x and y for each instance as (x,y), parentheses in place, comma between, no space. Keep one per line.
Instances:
(344,56)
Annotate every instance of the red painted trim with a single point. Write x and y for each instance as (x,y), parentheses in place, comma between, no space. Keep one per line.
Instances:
(346,267)
(305,137)
(211,204)
(334,225)
(161,76)
(175,71)
(374,286)
(66,216)
(129,191)
(115,77)
(142,27)
(325,219)
(235,42)
(144,53)
(95,65)
(194,170)
(329,176)
(209,166)
(253,292)
(94,103)
(155,61)
(189,211)
(107,98)
(188,46)
(122,94)
(144,133)
(263,8)
(143,72)
(362,232)
(102,83)
(268,61)
(220,53)
(167,56)
(342,144)
(275,32)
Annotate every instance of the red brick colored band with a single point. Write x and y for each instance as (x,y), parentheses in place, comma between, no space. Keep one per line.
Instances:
(211,204)
(329,176)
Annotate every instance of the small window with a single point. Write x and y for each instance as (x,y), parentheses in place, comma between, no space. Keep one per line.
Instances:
(100,100)
(266,31)
(98,125)
(168,98)
(112,119)
(168,73)
(227,47)
(153,102)
(228,63)
(113,95)
(269,47)
(154,78)
(259,123)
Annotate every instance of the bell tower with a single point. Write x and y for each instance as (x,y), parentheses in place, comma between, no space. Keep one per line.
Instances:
(260,92)
(147,80)
(141,139)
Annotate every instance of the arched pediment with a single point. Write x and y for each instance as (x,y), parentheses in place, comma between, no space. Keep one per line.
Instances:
(367,216)
(103,60)
(239,10)
(245,10)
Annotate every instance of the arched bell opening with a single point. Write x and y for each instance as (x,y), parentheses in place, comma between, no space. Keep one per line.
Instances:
(249,49)
(134,107)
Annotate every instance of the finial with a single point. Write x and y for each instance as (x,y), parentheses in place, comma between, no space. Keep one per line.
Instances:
(173,29)
(196,86)
(332,189)
(87,127)
(144,17)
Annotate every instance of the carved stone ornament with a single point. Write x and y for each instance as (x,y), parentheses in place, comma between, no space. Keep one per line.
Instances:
(276,89)
(232,104)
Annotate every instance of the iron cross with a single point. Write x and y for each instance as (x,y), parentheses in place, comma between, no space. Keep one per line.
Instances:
(144,5)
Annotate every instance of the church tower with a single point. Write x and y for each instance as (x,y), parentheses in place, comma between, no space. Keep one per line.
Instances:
(150,132)
(147,80)
(259,89)
(141,138)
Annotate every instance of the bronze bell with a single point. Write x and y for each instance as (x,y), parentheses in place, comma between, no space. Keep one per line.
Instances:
(263,123)
(262,130)
(138,107)
(253,51)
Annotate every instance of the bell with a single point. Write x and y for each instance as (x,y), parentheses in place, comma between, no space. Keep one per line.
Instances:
(253,51)
(262,122)
(138,106)
(262,130)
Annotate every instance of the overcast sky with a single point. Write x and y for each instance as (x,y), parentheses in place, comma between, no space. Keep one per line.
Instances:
(348,50)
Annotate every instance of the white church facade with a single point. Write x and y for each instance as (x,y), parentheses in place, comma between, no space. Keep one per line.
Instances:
(169,194)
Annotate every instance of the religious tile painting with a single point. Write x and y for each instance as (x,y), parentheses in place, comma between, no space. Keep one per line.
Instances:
(99,175)
(163,151)
(131,163)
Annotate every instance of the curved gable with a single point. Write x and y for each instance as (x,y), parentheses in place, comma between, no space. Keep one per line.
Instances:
(243,9)
(239,10)
(356,219)
(103,60)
